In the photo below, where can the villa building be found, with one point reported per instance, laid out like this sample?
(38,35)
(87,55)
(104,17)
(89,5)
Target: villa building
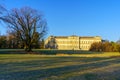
(71,42)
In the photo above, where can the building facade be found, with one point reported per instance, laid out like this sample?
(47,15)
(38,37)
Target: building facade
(71,42)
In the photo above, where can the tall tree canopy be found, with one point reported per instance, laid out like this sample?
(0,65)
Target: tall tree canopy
(26,23)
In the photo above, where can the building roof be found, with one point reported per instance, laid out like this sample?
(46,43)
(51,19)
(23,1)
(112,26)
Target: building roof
(84,37)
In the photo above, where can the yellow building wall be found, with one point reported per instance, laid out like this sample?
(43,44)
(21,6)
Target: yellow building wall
(74,42)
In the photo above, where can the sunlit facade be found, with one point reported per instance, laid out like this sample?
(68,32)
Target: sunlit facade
(71,42)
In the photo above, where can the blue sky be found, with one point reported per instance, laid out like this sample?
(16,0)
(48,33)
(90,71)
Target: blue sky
(75,17)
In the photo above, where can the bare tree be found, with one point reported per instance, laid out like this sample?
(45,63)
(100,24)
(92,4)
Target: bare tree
(2,9)
(26,22)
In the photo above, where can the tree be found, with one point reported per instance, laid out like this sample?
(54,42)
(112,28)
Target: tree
(36,41)
(105,47)
(118,45)
(3,42)
(13,41)
(118,42)
(42,44)
(51,44)
(26,22)
(2,9)
(97,46)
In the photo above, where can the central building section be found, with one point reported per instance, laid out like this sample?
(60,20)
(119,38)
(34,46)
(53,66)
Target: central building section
(70,42)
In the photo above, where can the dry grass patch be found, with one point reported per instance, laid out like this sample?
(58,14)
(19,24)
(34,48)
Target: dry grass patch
(60,67)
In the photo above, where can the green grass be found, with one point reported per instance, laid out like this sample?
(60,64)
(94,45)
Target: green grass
(59,67)
(45,51)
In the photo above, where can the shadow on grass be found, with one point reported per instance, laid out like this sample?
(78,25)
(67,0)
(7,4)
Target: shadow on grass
(45,69)
(46,52)
(12,51)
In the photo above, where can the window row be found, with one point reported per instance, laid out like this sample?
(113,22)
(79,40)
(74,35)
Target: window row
(62,46)
(75,42)
(85,47)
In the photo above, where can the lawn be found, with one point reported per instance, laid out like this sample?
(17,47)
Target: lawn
(60,67)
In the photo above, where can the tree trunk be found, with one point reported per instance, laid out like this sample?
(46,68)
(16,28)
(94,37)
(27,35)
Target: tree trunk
(28,48)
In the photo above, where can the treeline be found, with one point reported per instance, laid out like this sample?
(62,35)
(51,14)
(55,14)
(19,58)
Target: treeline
(12,42)
(106,46)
